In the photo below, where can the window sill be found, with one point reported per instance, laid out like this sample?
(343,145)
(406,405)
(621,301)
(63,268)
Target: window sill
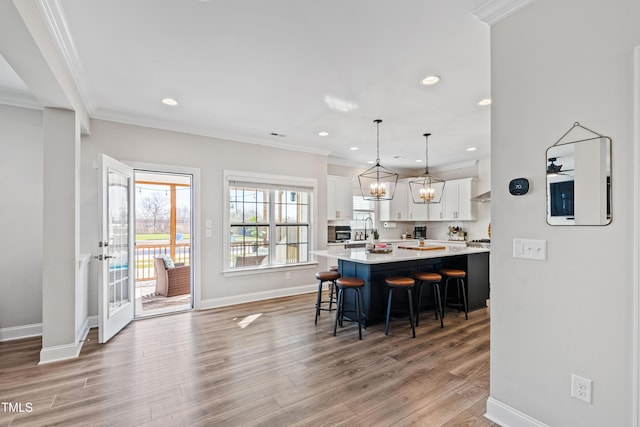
(268,269)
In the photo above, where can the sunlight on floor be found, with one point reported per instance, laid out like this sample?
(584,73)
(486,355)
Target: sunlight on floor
(247,320)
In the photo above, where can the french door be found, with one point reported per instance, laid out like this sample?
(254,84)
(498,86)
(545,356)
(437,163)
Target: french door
(117,269)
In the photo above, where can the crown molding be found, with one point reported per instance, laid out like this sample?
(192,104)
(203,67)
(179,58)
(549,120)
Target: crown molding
(494,11)
(54,18)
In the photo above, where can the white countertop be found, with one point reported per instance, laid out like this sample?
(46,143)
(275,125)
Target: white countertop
(404,241)
(362,256)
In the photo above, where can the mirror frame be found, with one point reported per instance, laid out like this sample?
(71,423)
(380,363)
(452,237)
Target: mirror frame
(550,157)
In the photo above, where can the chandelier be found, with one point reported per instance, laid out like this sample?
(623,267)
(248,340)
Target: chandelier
(378,183)
(423,188)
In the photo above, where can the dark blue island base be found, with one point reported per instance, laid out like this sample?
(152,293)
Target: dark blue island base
(375,292)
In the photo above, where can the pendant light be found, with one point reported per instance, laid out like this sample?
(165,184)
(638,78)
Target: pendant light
(378,183)
(426,188)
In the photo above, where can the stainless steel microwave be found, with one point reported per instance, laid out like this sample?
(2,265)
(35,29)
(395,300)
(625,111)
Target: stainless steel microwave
(338,233)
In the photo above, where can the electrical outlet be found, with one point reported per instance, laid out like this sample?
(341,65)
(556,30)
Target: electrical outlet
(581,388)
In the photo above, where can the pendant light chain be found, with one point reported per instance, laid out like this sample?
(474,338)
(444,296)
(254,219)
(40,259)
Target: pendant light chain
(426,153)
(378,121)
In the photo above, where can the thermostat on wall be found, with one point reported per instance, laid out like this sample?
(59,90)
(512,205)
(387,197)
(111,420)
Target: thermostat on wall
(519,186)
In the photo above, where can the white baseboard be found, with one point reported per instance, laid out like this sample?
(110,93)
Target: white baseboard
(68,351)
(92,322)
(256,296)
(506,416)
(19,332)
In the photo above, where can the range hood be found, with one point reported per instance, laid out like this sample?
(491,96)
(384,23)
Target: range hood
(482,198)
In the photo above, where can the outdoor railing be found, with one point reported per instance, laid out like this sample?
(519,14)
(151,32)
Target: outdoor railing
(145,253)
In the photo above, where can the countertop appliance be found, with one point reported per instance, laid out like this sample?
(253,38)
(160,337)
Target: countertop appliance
(480,243)
(420,232)
(338,233)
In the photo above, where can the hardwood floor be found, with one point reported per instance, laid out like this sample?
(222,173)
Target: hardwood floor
(204,369)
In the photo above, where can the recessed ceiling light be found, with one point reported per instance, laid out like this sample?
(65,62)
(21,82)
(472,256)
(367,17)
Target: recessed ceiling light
(484,102)
(371,162)
(430,80)
(471,149)
(169,101)
(323,133)
(419,161)
(354,148)
(398,157)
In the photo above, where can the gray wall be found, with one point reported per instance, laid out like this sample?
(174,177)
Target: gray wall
(555,63)
(21,190)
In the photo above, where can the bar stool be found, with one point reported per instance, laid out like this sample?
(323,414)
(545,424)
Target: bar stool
(459,276)
(343,284)
(325,276)
(425,278)
(399,282)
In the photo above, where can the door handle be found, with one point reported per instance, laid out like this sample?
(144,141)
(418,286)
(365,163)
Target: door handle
(102,258)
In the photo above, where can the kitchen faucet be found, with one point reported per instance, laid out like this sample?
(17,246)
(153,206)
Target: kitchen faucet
(365,226)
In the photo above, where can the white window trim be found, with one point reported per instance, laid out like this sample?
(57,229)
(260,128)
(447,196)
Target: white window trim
(231,176)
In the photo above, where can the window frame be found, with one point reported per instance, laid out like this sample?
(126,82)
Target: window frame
(272,183)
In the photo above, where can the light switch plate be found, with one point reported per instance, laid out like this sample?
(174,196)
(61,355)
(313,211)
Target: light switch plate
(530,249)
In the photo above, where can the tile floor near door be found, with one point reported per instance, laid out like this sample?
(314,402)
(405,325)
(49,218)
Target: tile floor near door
(263,363)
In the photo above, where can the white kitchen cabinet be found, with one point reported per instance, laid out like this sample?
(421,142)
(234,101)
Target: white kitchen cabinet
(466,208)
(455,204)
(457,200)
(416,211)
(395,209)
(401,207)
(436,210)
(339,197)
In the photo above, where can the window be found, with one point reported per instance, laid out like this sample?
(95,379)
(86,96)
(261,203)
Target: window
(269,223)
(363,209)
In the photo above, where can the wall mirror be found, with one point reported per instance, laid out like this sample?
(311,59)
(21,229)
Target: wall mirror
(579,181)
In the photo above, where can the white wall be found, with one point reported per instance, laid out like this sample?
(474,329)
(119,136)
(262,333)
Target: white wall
(211,156)
(555,63)
(21,192)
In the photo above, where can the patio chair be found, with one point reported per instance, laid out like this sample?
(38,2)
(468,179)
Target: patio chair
(172,281)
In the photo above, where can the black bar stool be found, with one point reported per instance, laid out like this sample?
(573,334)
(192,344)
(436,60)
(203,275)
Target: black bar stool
(459,276)
(425,278)
(343,284)
(399,282)
(325,276)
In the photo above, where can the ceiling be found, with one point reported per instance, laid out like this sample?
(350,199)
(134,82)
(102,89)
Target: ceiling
(246,70)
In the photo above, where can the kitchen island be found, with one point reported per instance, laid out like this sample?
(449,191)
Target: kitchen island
(373,268)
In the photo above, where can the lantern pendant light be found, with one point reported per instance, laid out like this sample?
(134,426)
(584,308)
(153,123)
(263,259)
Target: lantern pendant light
(426,188)
(378,183)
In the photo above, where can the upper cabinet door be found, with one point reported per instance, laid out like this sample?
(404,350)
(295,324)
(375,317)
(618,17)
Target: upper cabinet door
(466,208)
(436,210)
(339,198)
(457,200)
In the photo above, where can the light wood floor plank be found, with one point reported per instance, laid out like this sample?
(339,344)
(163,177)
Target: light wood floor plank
(204,369)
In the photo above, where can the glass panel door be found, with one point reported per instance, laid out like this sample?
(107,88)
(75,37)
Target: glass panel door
(116,243)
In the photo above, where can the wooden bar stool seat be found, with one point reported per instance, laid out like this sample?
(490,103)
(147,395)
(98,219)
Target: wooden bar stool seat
(325,276)
(400,282)
(343,284)
(422,278)
(459,276)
